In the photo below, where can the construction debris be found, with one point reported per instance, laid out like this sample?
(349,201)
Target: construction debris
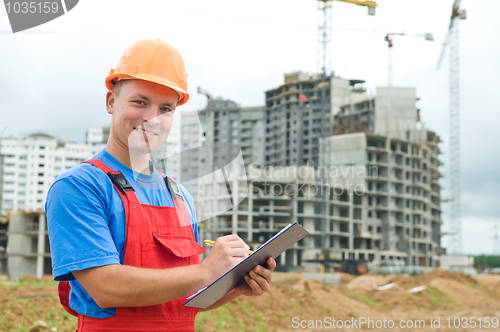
(393,284)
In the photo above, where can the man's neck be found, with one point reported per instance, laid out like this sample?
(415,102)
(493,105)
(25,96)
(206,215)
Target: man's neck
(135,161)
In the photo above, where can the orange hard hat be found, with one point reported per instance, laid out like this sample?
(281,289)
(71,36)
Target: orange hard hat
(152,60)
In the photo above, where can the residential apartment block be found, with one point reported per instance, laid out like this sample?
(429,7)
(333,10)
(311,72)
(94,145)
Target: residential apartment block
(300,111)
(215,137)
(226,121)
(167,157)
(397,216)
(30,166)
(374,192)
(192,152)
(3,245)
(29,251)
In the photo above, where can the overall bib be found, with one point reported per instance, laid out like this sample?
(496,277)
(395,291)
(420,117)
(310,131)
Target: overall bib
(155,237)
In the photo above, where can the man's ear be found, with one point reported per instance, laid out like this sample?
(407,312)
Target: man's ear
(110,101)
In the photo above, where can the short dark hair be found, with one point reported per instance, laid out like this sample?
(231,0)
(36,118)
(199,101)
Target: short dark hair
(117,87)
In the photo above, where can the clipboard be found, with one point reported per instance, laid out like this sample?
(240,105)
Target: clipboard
(280,242)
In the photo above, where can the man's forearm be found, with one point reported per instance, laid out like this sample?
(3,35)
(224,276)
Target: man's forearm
(128,286)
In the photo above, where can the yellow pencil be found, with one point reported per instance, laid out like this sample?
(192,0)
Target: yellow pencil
(211,243)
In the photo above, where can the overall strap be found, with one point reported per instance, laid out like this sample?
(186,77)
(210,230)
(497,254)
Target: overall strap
(127,195)
(122,186)
(178,200)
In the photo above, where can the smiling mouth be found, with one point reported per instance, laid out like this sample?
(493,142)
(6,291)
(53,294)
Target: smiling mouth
(145,132)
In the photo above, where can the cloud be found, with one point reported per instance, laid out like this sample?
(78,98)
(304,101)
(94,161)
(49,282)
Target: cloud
(53,82)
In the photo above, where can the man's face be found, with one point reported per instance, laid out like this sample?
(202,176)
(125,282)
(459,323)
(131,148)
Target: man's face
(143,113)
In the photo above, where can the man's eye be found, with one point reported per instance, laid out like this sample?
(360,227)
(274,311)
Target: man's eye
(165,109)
(139,102)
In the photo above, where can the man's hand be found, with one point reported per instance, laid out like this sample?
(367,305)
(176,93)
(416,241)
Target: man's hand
(225,254)
(258,281)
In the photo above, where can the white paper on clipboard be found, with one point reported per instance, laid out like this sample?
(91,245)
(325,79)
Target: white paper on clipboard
(280,242)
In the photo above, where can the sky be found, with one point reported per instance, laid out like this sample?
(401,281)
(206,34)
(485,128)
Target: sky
(52,76)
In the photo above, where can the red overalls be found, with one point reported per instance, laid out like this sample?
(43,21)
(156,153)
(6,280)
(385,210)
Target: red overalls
(154,238)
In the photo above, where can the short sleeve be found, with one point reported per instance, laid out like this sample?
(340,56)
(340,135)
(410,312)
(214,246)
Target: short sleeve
(78,228)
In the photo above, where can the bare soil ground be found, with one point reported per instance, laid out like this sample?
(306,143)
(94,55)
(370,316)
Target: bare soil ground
(296,304)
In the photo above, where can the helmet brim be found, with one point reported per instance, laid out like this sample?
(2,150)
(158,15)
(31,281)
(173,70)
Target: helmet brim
(182,93)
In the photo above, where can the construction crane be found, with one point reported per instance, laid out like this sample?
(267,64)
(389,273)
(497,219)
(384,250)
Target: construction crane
(452,39)
(389,39)
(323,67)
(206,93)
(325,30)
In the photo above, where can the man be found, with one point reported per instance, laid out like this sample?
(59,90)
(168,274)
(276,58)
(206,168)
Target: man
(123,235)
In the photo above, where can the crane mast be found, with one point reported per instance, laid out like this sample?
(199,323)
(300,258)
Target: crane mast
(389,39)
(325,31)
(456,209)
(452,40)
(323,67)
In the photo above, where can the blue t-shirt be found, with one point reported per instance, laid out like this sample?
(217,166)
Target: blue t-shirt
(86,222)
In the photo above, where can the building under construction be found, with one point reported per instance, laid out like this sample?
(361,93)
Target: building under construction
(374,193)
(301,111)
(297,114)
(213,138)
(28,250)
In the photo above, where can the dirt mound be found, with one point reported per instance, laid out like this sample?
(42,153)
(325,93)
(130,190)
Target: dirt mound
(396,300)
(487,280)
(447,295)
(490,284)
(366,282)
(286,278)
(25,312)
(465,294)
(275,309)
(438,273)
(346,278)
(343,306)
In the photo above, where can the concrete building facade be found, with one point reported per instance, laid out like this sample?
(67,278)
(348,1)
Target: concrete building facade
(400,207)
(3,245)
(225,121)
(167,157)
(28,251)
(379,202)
(216,136)
(399,200)
(97,138)
(192,139)
(375,192)
(300,111)
(297,114)
(30,165)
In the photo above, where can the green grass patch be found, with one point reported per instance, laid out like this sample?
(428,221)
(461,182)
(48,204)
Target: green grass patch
(224,319)
(21,314)
(440,298)
(21,283)
(360,298)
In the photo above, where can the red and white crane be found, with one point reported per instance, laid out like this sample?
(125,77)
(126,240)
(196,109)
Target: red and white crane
(389,39)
